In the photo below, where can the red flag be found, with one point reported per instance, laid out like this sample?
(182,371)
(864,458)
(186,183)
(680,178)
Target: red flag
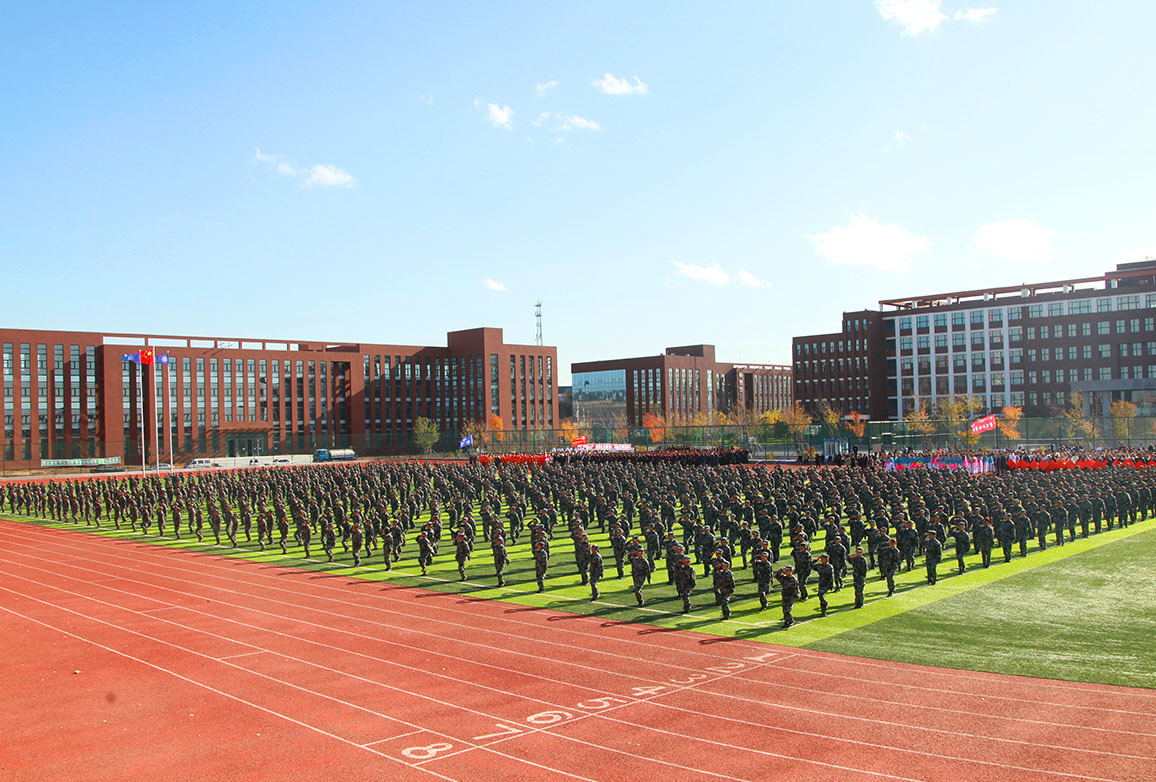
(579,440)
(146,356)
(985,424)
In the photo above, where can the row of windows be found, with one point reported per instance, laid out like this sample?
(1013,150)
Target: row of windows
(995,315)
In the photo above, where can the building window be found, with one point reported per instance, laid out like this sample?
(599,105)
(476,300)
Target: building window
(1081,307)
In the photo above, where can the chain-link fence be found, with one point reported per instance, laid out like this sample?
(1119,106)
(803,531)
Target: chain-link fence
(765,441)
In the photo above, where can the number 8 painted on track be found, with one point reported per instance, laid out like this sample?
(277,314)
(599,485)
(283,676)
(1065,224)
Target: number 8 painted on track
(426,752)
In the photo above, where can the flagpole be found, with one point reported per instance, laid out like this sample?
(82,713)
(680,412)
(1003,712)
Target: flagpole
(156,424)
(140,411)
(167,420)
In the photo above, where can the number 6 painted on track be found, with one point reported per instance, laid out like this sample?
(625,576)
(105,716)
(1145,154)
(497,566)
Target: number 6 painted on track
(548,717)
(426,752)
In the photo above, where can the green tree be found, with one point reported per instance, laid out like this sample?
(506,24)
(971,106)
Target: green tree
(425,434)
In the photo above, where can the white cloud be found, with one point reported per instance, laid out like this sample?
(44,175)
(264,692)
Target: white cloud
(545,115)
(974,15)
(559,140)
(611,85)
(427,100)
(1015,240)
(493,285)
(542,89)
(901,139)
(500,116)
(914,16)
(322,175)
(712,274)
(276,162)
(574,122)
(751,281)
(865,242)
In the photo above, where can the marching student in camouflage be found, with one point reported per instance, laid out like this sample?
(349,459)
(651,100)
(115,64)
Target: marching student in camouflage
(461,552)
(684,581)
(826,573)
(984,540)
(724,586)
(789,587)
(962,545)
(541,563)
(762,571)
(859,571)
(501,558)
(595,570)
(639,573)
(932,556)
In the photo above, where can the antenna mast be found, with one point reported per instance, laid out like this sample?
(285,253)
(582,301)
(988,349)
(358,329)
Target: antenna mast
(538,320)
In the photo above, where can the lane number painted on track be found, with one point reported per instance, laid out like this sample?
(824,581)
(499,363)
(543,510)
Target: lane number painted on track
(556,716)
(428,751)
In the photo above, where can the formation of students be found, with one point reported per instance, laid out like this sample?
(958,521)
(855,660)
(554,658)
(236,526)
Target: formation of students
(768,521)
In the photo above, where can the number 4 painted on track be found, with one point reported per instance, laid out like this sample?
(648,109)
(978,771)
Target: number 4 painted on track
(762,658)
(506,730)
(642,692)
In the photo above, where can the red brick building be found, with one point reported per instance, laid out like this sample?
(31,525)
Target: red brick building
(68,394)
(1032,345)
(677,385)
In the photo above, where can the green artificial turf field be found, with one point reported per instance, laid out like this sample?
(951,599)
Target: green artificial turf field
(1089,618)
(1085,611)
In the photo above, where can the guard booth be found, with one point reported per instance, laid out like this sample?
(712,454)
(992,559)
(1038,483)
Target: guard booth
(833,447)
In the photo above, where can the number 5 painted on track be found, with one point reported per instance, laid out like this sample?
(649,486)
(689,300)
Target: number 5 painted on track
(426,752)
(599,703)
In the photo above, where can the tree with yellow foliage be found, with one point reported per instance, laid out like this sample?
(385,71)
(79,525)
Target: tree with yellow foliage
(920,423)
(798,420)
(855,424)
(1009,425)
(497,427)
(1122,412)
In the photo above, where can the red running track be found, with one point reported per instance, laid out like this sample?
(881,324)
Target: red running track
(126,659)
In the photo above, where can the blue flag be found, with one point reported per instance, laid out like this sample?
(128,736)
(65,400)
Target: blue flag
(467,441)
(163,359)
(133,357)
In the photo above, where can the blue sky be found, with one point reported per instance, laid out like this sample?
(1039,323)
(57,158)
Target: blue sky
(656,173)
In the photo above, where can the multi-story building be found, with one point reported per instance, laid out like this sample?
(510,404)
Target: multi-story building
(69,394)
(677,386)
(1030,345)
(846,369)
